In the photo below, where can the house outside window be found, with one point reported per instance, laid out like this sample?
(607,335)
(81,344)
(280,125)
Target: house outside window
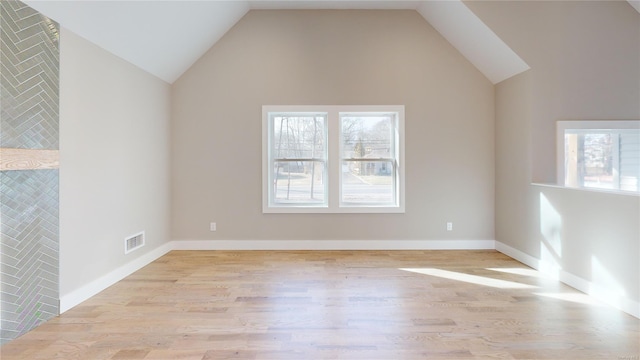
(599,155)
(333,159)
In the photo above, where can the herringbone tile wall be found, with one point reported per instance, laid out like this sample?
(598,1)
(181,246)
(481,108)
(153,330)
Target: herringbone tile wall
(29,58)
(29,250)
(30,70)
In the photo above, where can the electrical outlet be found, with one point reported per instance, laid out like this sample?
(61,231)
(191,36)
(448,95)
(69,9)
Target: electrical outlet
(212,226)
(449,226)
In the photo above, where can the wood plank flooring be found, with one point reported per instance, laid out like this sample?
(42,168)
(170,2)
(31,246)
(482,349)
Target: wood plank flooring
(334,305)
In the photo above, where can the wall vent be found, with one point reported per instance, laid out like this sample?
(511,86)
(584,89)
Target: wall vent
(133,242)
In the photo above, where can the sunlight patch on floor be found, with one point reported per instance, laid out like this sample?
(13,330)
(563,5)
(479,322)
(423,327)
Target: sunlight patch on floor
(519,271)
(473,279)
(572,297)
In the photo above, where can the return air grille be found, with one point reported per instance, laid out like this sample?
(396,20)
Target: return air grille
(133,242)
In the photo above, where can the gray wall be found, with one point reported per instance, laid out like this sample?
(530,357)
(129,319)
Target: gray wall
(584,59)
(114,162)
(332,58)
(28,198)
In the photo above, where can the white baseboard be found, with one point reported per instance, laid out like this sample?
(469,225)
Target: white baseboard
(76,297)
(333,244)
(518,255)
(594,290)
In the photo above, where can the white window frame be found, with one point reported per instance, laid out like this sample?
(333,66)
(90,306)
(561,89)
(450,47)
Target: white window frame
(334,161)
(587,126)
(323,158)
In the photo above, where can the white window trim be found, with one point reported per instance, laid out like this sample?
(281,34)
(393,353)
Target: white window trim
(603,125)
(267,188)
(334,160)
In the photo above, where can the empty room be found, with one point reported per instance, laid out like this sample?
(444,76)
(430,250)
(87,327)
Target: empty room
(320,179)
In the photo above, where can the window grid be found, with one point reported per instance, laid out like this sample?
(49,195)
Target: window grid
(388,167)
(366,158)
(601,155)
(290,159)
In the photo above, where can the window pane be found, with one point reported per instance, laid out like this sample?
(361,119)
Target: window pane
(589,160)
(367,136)
(298,136)
(368,182)
(598,171)
(630,160)
(299,182)
(303,146)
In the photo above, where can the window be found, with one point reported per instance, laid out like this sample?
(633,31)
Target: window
(599,154)
(333,159)
(368,159)
(298,161)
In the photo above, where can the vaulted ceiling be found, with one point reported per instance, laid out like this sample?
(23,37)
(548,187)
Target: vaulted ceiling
(165,37)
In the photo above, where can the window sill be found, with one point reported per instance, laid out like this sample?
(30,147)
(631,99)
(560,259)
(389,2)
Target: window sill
(328,210)
(596,190)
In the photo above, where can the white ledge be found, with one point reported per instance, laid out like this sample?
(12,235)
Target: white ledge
(585,189)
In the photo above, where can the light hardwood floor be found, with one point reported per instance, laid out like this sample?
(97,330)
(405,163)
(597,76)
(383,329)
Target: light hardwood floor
(334,305)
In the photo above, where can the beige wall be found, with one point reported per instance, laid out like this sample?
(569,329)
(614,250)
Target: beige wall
(115,131)
(332,58)
(585,57)
(513,161)
(114,161)
(585,64)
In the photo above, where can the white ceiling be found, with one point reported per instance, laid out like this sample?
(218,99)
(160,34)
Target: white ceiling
(162,37)
(467,33)
(165,37)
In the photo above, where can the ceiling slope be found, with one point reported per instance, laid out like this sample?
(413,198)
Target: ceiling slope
(165,37)
(467,33)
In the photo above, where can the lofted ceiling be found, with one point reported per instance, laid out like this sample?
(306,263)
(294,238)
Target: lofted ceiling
(165,37)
